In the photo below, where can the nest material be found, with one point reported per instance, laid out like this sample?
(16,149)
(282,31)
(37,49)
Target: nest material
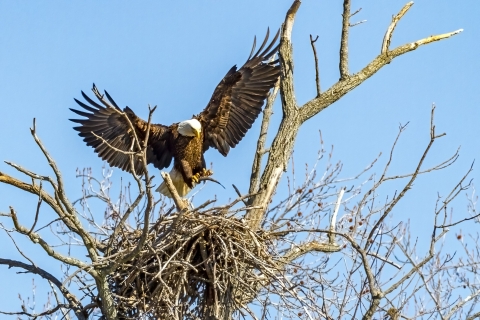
(193,266)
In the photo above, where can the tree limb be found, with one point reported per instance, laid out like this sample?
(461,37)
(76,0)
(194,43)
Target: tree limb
(36,190)
(343,65)
(293,117)
(312,246)
(388,34)
(260,151)
(342,87)
(63,200)
(35,238)
(74,303)
(176,198)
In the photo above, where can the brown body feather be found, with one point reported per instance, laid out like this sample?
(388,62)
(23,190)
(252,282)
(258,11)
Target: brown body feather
(235,104)
(188,156)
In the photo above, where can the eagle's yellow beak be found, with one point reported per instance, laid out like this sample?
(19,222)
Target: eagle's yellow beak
(197,133)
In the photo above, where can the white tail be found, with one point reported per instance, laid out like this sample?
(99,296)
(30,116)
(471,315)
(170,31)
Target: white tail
(182,188)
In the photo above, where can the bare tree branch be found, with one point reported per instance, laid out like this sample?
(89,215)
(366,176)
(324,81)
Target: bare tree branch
(60,194)
(260,151)
(388,34)
(293,117)
(35,238)
(317,77)
(176,198)
(333,222)
(344,73)
(342,87)
(302,249)
(74,303)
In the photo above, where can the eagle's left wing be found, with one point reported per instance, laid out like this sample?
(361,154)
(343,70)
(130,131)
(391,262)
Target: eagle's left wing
(238,99)
(106,129)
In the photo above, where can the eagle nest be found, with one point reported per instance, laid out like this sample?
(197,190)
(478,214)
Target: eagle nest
(193,266)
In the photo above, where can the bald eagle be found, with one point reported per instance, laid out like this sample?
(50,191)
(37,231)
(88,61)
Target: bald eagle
(235,104)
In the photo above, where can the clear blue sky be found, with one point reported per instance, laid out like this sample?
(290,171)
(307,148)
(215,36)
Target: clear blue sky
(173,54)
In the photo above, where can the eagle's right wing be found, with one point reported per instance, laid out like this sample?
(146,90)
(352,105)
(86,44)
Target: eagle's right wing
(109,122)
(238,98)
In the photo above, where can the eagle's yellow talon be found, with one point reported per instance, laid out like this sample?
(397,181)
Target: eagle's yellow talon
(196,177)
(207,172)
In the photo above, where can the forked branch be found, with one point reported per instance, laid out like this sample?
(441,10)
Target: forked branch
(388,35)
(339,89)
(74,303)
(293,116)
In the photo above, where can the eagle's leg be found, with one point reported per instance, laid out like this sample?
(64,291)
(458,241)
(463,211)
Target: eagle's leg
(189,178)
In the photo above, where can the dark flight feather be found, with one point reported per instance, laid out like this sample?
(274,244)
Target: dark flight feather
(111,124)
(238,99)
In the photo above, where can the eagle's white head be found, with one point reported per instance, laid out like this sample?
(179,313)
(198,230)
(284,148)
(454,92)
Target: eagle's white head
(190,128)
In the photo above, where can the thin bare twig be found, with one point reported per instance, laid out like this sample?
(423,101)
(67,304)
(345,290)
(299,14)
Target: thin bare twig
(317,77)
(333,221)
(37,211)
(388,34)
(245,202)
(74,303)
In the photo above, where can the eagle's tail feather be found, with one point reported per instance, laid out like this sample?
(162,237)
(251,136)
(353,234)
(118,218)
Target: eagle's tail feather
(182,188)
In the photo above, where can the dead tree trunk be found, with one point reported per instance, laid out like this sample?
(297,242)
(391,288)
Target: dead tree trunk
(294,116)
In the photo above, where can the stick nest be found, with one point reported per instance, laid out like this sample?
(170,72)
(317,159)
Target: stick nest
(193,266)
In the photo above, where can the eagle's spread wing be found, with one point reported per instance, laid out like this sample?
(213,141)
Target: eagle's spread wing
(237,100)
(109,122)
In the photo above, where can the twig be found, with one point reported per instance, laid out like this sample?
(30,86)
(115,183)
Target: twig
(149,124)
(373,254)
(388,34)
(70,213)
(131,153)
(64,312)
(39,203)
(35,238)
(317,77)
(36,315)
(210,179)
(331,235)
(20,251)
(357,11)
(439,166)
(74,303)
(407,187)
(357,23)
(239,194)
